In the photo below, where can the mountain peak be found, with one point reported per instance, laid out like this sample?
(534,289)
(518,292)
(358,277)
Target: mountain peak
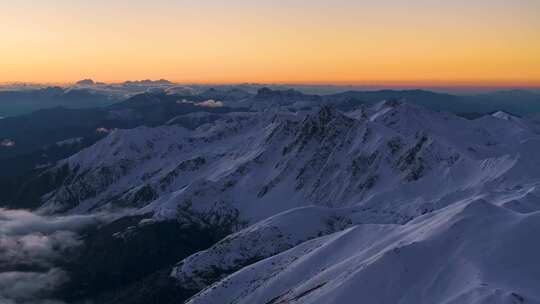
(327,113)
(85,82)
(503,115)
(325,119)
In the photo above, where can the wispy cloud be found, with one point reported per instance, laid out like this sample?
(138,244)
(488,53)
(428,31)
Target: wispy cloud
(210,104)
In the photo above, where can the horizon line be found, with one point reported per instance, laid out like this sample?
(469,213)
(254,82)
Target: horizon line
(488,84)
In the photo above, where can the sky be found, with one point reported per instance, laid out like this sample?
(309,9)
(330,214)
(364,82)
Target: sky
(399,42)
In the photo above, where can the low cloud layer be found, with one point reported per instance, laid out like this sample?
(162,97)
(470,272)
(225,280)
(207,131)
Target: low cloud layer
(22,222)
(35,249)
(30,244)
(210,104)
(29,287)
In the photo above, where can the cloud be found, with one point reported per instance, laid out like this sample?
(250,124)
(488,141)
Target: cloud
(210,104)
(7,143)
(35,249)
(31,246)
(104,130)
(22,222)
(30,287)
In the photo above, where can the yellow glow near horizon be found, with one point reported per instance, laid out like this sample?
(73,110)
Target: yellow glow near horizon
(417,42)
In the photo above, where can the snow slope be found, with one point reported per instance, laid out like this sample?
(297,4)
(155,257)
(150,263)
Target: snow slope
(261,240)
(469,252)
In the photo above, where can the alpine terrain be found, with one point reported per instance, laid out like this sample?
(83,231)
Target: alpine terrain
(291,198)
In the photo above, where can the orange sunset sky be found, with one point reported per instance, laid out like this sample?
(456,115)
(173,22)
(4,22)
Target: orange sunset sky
(417,42)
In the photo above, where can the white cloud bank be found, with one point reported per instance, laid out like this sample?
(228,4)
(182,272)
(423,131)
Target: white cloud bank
(210,104)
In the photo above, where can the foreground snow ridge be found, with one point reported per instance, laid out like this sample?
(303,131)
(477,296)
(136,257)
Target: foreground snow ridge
(469,252)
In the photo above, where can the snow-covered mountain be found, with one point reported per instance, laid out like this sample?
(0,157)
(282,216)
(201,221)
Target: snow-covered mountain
(394,157)
(468,252)
(388,203)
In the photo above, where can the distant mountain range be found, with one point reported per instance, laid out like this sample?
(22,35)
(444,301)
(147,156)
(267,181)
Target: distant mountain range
(516,101)
(78,116)
(88,93)
(32,136)
(19,102)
